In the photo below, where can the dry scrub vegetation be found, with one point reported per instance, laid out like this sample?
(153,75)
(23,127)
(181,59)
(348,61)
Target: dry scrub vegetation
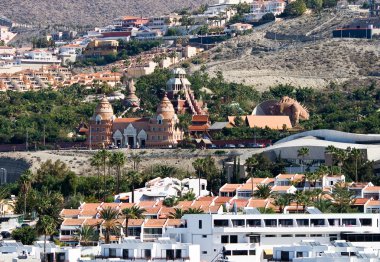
(85,12)
(262,62)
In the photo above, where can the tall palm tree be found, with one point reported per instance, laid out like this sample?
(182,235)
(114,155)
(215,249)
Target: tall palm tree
(263,191)
(136,159)
(46,226)
(96,161)
(110,224)
(134,178)
(87,234)
(134,212)
(343,198)
(331,150)
(302,153)
(325,206)
(177,214)
(357,155)
(25,183)
(341,156)
(104,156)
(298,198)
(251,164)
(118,159)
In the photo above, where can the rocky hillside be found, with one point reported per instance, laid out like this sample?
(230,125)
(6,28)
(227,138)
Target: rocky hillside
(86,12)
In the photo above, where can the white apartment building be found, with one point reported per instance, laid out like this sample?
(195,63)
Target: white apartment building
(161,250)
(251,237)
(5,34)
(160,188)
(312,251)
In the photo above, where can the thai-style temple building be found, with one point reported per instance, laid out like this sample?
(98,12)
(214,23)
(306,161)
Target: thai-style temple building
(159,131)
(179,92)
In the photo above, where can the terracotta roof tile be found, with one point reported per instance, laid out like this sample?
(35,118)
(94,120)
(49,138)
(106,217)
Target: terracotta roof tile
(183,204)
(280,188)
(247,187)
(360,201)
(174,222)
(201,204)
(206,198)
(90,206)
(214,209)
(93,221)
(374,203)
(372,189)
(155,223)
(88,213)
(135,222)
(240,203)
(69,212)
(72,222)
(222,200)
(145,204)
(256,180)
(125,205)
(273,122)
(229,187)
(200,118)
(257,203)
(151,210)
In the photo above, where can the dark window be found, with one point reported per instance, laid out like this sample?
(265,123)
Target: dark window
(224,240)
(239,252)
(147,253)
(253,222)
(366,221)
(204,252)
(286,236)
(238,222)
(125,253)
(299,254)
(233,239)
(300,235)
(221,223)
(303,222)
(252,252)
(254,239)
(170,254)
(204,236)
(200,224)
(112,252)
(178,253)
(270,222)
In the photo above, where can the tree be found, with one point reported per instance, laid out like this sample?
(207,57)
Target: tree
(27,235)
(87,234)
(136,159)
(264,210)
(118,160)
(315,5)
(25,183)
(173,55)
(197,210)
(46,226)
(357,155)
(110,224)
(134,212)
(295,8)
(325,206)
(343,198)
(170,201)
(282,200)
(134,178)
(96,161)
(302,153)
(177,214)
(262,191)
(104,155)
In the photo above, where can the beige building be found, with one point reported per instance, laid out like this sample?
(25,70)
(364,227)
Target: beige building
(159,131)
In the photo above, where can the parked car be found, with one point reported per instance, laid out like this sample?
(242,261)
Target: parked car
(240,145)
(255,145)
(229,146)
(5,234)
(212,146)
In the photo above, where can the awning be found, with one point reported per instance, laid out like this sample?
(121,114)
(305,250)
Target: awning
(268,252)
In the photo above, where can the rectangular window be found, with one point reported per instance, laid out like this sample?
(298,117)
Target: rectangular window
(178,253)
(204,236)
(200,224)
(224,240)
(204,252)
(233,239)
(147,253)
(239,252)
(112,252)
(252,252)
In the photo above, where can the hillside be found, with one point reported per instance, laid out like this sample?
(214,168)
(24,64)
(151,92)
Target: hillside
(86,12)
(299,52)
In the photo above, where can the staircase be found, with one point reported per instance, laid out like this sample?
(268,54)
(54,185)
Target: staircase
(192,102)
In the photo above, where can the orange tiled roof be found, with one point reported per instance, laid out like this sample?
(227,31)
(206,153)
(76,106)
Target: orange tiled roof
(72,222)
(256,180)
(151,210)
(125,205)
(206,198)
(135,222)
(372,189)
(257,202)
(145,204)
(280,188)
(93,221)
(247,187)
(214,209)
(174,222)
(69,212)
(155,223)
(229,187)
(222,200)
(285,176)
(127,120)
(90,206)
(201,204)
(111,205)
(183,204)
(374,203)
(198,127)
(200,118)
(360,201)
(273,122)
(240,203)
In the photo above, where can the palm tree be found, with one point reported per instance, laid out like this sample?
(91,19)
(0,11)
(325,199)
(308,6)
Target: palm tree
(331,150)
(136,159)
(110,224)
(251,164)
(298,198)
(104,156)
(325,206)
(177,214)
(96,161)
(173,55)
(170,201)
(25,183)
(134,178)
(282,200)
(197,210)
(114,70)
(341,156)
(264,210)
(343,198)
(263,191)
(302,153)
(118,159)
(357,155)
(87,234)
(134,212)
(46,226)
(4,193)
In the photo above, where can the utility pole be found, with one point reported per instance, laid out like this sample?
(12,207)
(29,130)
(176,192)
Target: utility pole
(90,137)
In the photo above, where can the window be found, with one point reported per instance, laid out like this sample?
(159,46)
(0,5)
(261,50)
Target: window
(286,235)
(178,253)
(170,254)
(204,252)
(299,254)
(125,253)
(221,223)
(225,240)
(65,232)
(252,252)
(200,224)
(233,239)
(239,252)
(300,235)
(254,239)
(204,236)
(147,253)
(112,252)
(238,222)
